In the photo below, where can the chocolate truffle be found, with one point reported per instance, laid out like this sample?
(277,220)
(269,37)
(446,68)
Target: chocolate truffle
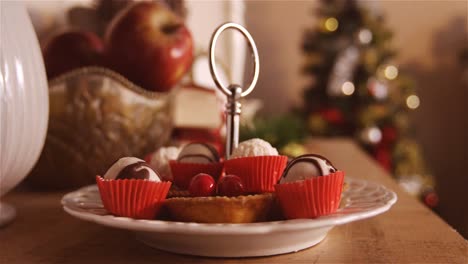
(131,168)
(201,153)
(254,147)
(306,167)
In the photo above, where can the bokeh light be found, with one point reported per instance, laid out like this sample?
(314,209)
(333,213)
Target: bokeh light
(365,36)
(331,24)
(375,135)
(348,88)
(412,101)
(391,72)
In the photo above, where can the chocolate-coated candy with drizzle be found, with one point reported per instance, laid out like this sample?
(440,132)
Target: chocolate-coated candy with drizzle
(131,168)
(198,153)
(306,167)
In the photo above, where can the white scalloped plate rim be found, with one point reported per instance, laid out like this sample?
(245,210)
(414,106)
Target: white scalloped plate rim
(70,203)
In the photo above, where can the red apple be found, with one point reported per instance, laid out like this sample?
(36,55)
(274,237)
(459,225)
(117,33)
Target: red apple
(202,184)
(150,45)
(231,185)
(71,50)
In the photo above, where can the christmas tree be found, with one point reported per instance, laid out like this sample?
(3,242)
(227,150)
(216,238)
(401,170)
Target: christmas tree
(356,90)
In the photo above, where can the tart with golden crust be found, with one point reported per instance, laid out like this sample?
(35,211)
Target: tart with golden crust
(221,209)
(176,192)
(242,197)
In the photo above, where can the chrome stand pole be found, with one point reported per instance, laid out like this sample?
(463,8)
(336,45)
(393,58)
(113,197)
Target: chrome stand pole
(233,92)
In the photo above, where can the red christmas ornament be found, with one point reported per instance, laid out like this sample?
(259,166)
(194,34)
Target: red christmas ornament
(431,199)
(383,156)
(332,115)
(389,134)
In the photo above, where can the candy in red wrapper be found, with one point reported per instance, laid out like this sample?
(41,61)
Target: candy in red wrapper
(312,197)
(135,198)
(259,173)
(184,172)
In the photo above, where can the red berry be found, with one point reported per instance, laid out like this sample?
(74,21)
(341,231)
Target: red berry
(230,185)
(202,184)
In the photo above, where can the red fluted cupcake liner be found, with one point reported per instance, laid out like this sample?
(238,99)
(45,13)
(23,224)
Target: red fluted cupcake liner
(259,174)
(311,198)
(133,198)
(184,172)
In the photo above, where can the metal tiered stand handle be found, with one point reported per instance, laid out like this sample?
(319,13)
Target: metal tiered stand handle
(233,92)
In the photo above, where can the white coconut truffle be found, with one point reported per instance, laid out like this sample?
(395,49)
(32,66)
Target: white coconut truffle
(131,168)
(254,147)
(159,161)
(306,167)
(201,153)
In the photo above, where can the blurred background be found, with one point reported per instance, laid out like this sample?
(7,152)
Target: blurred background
(430,40)
(391,75)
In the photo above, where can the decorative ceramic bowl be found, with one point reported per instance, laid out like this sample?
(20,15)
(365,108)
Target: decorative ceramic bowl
(24,103)
(96,117)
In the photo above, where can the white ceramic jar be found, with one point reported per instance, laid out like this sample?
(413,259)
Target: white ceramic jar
(24,102)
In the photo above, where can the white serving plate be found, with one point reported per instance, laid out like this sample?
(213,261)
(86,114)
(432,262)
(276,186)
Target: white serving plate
(362,199)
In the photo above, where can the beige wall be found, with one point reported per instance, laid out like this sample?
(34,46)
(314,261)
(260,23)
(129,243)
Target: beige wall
(428,35)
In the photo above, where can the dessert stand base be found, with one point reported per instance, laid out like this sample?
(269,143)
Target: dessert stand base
(361,199)
(239,245)
(7,214)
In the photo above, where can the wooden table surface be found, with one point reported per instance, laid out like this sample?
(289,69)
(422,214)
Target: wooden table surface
(408,233)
